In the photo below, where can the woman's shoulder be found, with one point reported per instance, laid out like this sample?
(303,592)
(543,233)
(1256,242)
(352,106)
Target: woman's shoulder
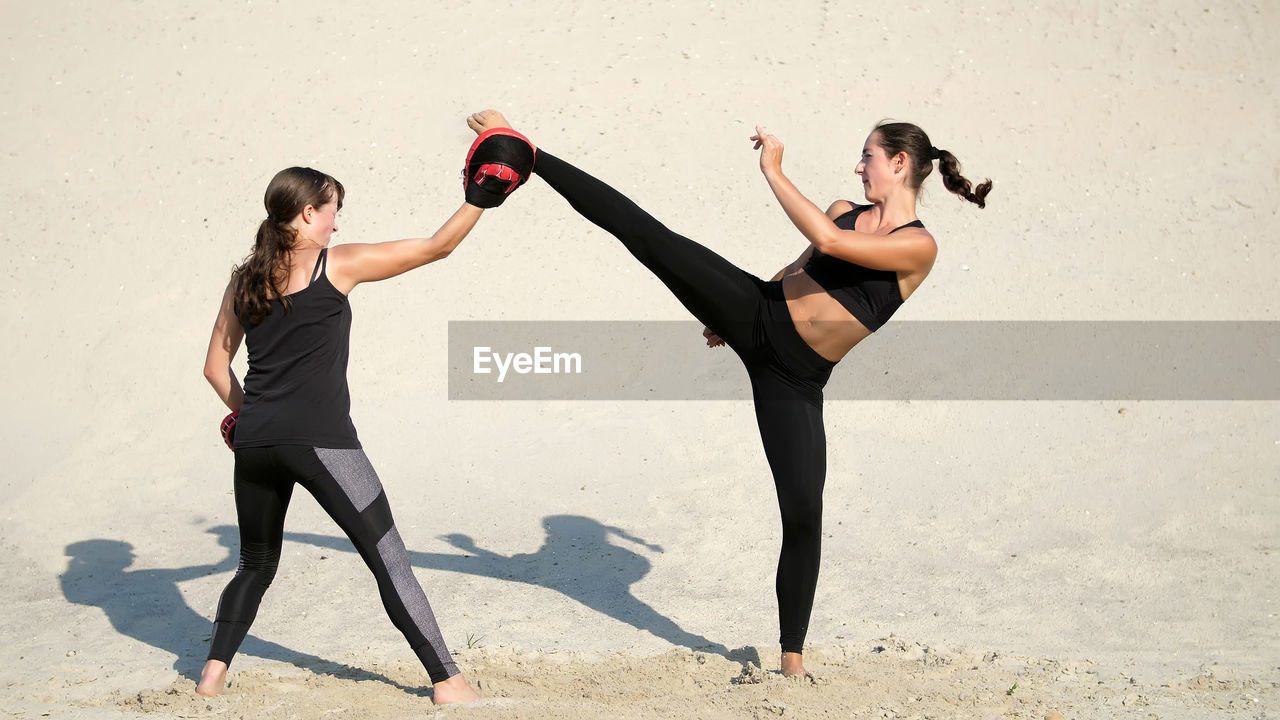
(840,207)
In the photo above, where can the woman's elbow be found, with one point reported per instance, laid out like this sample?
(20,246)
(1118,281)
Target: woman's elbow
(433,251)
(213,372)
(823,242)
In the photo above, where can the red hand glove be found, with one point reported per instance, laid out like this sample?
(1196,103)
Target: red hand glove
(229,429)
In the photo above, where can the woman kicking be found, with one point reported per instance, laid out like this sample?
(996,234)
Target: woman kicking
(860,264)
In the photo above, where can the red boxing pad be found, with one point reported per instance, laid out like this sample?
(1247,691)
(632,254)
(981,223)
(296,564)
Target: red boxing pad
(499,161)
(228,429)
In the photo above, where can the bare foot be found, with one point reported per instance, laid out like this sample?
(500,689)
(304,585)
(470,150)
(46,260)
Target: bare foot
(486,120)
(793,664)
(455,689)
(212,679)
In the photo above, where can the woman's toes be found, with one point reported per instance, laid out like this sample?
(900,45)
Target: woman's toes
(487,120)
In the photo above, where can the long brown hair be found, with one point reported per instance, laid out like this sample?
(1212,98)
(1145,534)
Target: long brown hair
(896,137)
(264,274)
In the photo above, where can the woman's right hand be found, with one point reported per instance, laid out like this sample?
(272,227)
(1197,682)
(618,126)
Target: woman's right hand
(713,340)
(770,148)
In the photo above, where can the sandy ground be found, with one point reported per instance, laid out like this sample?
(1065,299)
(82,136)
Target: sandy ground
(1109,558)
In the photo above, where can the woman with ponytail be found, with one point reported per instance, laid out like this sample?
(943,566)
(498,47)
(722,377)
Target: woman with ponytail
(858,265)
(291,421)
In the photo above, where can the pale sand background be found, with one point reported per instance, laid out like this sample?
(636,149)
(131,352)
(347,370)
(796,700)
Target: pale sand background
(1112,565)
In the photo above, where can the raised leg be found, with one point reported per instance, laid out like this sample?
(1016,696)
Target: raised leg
(718,293)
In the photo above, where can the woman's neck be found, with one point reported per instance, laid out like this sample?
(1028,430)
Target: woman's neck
(896,211)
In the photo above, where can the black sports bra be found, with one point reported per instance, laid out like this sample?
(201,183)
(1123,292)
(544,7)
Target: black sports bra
(871,296)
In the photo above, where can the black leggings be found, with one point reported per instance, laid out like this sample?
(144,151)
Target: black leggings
(787,376)
(346,486)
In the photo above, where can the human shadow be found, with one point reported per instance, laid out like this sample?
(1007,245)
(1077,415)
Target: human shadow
(577,560)
(147,606)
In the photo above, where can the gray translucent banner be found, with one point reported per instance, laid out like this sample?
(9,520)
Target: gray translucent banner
(1032,360)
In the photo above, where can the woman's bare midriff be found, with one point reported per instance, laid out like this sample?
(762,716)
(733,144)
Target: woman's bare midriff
(822,322)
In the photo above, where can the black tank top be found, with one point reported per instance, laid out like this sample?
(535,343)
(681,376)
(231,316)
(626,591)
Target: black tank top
(871,296)
(295,392)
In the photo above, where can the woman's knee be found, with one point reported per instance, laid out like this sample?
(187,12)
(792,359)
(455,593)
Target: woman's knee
(801,516)
(262,562)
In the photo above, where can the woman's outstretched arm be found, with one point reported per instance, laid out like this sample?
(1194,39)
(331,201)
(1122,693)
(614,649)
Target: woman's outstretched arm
(356,263)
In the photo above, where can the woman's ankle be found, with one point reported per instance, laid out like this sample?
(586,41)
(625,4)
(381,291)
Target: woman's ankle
(793,664)
(213,678)
(454,690)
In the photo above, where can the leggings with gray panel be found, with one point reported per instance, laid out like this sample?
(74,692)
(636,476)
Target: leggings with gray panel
(346,486)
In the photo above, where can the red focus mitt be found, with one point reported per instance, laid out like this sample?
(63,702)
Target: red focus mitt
(228,429)
(500,160)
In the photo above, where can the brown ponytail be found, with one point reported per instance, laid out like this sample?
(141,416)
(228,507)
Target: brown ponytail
(949,166)
(265,273)
(899,137)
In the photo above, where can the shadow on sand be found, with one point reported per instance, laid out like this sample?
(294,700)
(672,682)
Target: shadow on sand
(577,560)
(147,606)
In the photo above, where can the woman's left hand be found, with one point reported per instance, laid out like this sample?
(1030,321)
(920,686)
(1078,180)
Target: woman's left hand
(713,340)
(770,148)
